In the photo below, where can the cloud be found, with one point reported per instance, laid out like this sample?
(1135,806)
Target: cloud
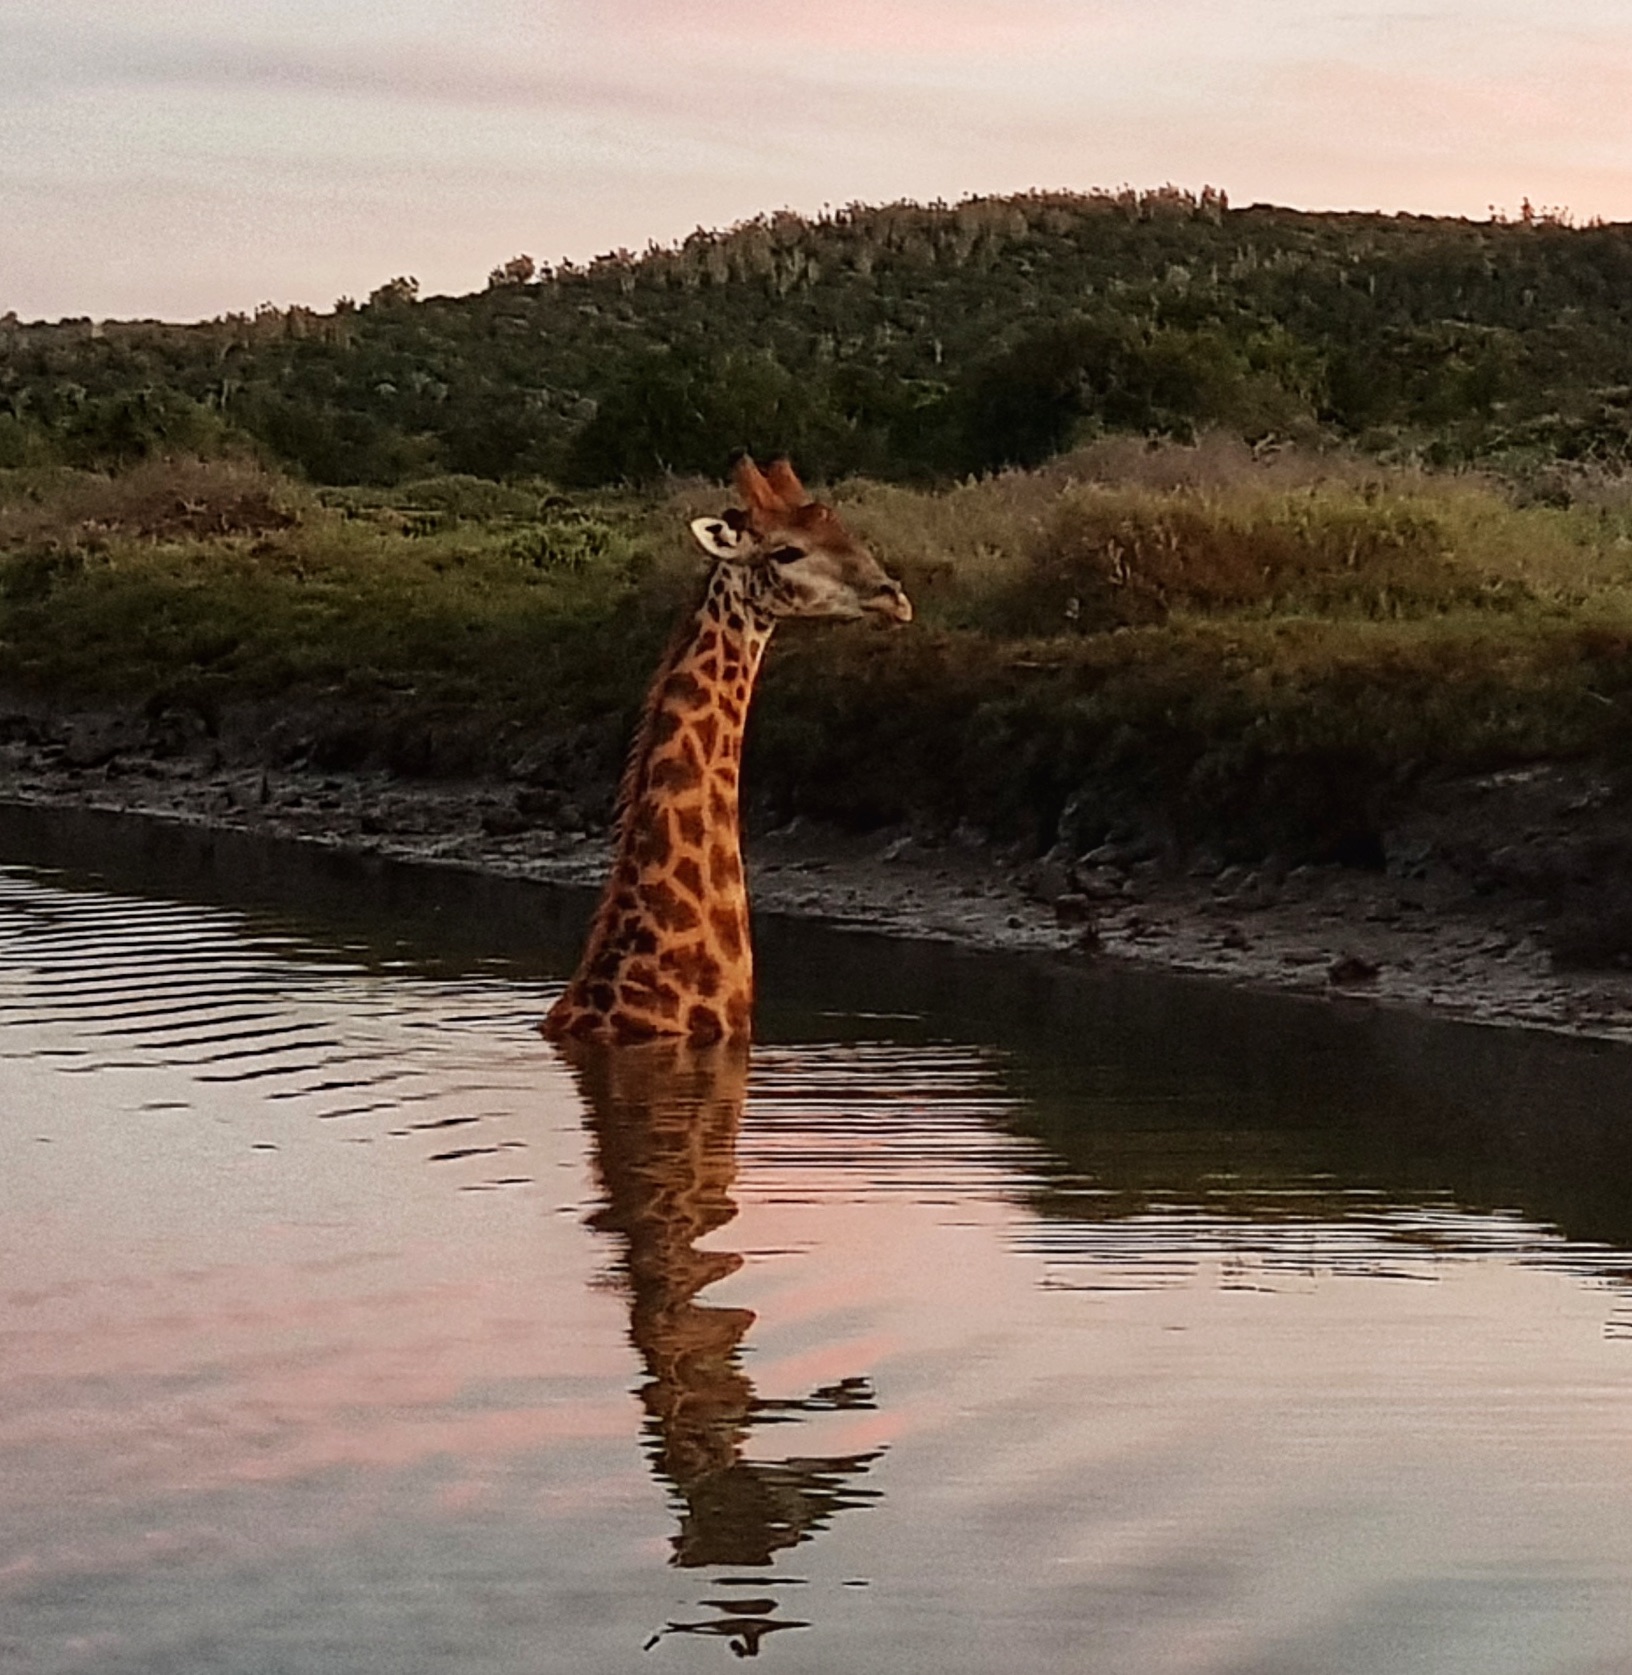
(412,71)
(1563,107)
(917,29)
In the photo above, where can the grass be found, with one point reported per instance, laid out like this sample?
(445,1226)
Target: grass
(235,581)
(1254,653)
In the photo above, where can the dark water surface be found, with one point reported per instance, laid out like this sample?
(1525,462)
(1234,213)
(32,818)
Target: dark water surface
(997,1315)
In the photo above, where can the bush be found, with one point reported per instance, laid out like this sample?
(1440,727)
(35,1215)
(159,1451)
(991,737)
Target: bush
(24,444)
(1262,652)
(116,431)
(162,500)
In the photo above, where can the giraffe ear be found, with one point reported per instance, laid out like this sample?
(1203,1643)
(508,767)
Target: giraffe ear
(718,539)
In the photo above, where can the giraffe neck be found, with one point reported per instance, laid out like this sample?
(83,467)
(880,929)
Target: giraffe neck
(668,952)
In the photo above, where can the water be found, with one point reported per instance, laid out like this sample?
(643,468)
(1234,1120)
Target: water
(995,1315)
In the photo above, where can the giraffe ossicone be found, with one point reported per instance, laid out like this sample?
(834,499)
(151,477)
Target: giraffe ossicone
(668,952)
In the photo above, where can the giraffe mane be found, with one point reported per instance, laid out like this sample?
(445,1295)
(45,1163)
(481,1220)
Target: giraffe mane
(630,782)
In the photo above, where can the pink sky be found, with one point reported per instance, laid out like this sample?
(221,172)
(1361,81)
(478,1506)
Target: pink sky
(183,161)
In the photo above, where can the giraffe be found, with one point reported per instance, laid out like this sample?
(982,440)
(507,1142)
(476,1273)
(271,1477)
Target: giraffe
(668,951)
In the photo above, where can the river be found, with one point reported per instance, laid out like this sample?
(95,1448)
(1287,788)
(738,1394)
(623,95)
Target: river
(994,1314)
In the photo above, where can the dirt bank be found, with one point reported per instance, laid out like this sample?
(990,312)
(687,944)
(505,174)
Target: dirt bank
(1502,899)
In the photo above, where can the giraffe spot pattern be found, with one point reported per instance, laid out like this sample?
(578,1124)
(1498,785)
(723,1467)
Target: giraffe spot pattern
(727,923)
(667,910)
(703,1025)
(689,876)
(654,997)
(695,968)
(684,689)
(675,773)
(724,869)
(693,829)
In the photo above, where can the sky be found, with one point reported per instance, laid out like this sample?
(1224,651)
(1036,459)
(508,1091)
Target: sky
(184,158)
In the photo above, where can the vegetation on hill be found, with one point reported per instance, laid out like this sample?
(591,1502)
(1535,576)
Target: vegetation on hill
(906,342)
(1226,525)
(1257,653)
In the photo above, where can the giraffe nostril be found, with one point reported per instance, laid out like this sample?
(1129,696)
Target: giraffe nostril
(892,601)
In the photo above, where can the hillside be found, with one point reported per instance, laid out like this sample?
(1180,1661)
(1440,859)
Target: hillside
(906,342)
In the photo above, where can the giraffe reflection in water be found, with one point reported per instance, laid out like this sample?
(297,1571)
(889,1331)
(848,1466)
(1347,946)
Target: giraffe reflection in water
(665,1117)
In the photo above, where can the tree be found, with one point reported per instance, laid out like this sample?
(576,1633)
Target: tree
(519,270)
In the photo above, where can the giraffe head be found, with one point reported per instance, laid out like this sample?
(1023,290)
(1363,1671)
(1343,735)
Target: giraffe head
(803,562)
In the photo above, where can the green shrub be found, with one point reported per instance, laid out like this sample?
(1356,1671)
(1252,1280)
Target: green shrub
(1262,651)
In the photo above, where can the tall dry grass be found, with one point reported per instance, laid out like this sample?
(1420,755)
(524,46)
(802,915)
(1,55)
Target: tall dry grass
(1124,534)
(1250,648)
(159,500)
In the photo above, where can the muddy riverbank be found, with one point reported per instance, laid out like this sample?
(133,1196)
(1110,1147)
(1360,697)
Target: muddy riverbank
(1502,899)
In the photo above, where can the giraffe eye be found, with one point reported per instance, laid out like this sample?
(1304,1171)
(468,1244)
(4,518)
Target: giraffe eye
(784,555)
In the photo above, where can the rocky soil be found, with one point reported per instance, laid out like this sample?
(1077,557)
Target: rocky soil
(1503,899)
